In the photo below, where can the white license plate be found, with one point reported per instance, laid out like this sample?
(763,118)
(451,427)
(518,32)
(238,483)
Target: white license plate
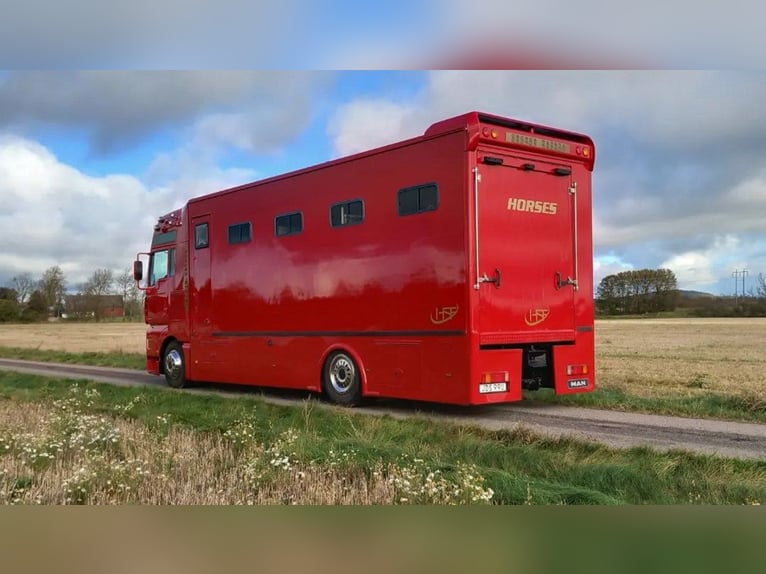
(493,387)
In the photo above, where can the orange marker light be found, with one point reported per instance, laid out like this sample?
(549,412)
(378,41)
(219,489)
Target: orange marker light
(586,151)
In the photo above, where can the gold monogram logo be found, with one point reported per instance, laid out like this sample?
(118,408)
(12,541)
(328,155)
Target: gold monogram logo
(443,314)
(536,316)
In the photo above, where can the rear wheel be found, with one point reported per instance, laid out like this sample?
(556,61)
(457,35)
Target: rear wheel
(341,379)
(174,365)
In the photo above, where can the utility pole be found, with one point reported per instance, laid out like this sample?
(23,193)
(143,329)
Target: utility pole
(736,274)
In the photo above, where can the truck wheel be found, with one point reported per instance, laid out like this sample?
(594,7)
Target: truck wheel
(174,365)
(341,379)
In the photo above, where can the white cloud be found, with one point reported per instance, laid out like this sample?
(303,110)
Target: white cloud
(249,110)
(704,268)
(608,265)
(54,214)
(364,124)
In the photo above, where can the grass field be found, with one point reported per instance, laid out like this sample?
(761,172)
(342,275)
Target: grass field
(650,359)
(101,444)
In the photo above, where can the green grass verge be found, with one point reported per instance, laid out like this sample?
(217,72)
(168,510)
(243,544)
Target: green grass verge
(113,359)
(519,466)
(730,407)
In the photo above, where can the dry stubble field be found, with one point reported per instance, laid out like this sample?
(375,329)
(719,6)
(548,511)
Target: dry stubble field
(682,357)
(76,337)
(645,357)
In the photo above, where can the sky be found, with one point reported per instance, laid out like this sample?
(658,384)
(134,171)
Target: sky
(97,138)
(90,159)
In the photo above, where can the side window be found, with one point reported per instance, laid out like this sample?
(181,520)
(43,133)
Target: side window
(161,265)
(201,240)
(346,213)
(418,199)
(239,233)
(288,224)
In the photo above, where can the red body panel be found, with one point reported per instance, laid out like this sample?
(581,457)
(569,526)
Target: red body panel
(398,293)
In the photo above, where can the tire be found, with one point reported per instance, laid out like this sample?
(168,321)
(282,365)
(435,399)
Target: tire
(341,379)
(174,365)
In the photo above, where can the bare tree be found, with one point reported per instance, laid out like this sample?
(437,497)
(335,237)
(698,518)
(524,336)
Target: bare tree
(52,287)
(760,285)
(24,285)
(96,288)
(131,295)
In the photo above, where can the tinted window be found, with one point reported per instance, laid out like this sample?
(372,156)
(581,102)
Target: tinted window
(418,199)
(239,233)
(346,213)
(200,236)
(288,224)
(167,237)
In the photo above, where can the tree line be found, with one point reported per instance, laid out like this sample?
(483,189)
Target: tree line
(30,299)
(637,292)
(653,290)
(751,304)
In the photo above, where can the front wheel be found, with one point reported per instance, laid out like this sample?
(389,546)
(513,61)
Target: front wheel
(174,365)
(341,379)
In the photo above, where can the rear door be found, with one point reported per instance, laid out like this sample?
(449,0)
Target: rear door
(526,249)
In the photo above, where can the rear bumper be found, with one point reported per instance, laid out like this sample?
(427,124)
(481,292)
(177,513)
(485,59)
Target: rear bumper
(570,370)
(583,353)
(490,370)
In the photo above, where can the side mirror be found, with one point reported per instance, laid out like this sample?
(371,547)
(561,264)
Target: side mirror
(138,270)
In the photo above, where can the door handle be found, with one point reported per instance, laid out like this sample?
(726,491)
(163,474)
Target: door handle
(494,279)
(564,282)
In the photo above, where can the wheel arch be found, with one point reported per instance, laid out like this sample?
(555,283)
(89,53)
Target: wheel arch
(354,355)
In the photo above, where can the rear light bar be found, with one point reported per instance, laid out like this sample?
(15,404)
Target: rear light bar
(495,377)
(577,370)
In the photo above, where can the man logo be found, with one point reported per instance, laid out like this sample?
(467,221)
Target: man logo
(536,316)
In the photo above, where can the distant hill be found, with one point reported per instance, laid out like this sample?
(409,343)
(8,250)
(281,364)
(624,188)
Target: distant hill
(688,294)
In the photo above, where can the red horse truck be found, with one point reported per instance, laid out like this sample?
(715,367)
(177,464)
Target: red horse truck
(453,267)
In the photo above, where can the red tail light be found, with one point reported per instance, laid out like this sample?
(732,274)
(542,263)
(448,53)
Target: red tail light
(577,370)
